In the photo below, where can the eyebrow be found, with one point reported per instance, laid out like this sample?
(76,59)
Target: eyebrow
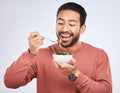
(71,20)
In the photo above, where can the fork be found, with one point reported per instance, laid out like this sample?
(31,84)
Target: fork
(50,40)
(47,38)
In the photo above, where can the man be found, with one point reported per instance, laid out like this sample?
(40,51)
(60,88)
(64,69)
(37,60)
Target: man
(87,72)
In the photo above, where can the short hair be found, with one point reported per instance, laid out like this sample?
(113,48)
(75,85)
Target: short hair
(75,7)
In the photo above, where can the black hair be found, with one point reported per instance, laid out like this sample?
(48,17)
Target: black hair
(75,7)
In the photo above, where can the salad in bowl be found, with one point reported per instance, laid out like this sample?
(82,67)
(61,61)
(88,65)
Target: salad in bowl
(63,57)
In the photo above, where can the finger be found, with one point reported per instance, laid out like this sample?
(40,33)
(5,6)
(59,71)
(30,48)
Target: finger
(72,62)
(33,34)
(38,37)
(37,43)
(58,64)
(35,40)
(65,66)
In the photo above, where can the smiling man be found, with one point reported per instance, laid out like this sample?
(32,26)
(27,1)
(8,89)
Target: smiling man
(68,27)
(88,71)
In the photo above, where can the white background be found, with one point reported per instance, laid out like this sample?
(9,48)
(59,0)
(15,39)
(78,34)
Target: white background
(20,17)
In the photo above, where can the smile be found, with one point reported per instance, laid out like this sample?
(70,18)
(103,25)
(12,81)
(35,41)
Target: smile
(65,36)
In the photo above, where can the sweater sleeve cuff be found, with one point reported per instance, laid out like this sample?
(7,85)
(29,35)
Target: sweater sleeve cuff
(27,55)
(82,80)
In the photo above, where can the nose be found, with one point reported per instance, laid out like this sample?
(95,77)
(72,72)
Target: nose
(65,28)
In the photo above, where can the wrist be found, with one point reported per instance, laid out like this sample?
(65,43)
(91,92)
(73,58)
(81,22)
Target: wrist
(77,73)
(33,53)
(73,77)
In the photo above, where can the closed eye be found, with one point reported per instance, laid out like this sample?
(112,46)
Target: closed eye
(60,23)
(72,24)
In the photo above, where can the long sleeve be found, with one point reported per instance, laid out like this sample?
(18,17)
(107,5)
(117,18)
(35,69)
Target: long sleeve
(102,82)
(20,72)
(93,63)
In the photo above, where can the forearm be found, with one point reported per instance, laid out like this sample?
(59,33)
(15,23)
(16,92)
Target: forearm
(87,85)
(16,74)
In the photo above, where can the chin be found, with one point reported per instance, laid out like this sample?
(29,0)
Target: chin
(66,45)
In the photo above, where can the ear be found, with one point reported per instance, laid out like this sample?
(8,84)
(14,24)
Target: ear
(82,29)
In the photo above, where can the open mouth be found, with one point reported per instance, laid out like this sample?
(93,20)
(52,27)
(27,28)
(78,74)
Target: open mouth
(65,36)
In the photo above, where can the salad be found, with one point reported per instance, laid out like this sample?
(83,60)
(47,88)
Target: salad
(63,53)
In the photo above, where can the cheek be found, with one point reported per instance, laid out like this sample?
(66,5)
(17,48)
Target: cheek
(76,30)
(58,29)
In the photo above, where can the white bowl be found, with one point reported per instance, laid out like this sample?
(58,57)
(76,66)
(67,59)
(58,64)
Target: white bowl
(62,58)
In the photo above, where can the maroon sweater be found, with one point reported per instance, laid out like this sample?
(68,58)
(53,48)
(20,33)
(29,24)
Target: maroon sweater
(93,64)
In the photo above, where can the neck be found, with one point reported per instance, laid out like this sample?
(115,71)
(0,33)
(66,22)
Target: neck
(72,48)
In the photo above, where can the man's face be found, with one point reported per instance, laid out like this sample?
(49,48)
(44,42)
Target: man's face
(68,27)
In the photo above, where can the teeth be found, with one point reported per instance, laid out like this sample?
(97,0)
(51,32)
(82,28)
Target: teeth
(65,35)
